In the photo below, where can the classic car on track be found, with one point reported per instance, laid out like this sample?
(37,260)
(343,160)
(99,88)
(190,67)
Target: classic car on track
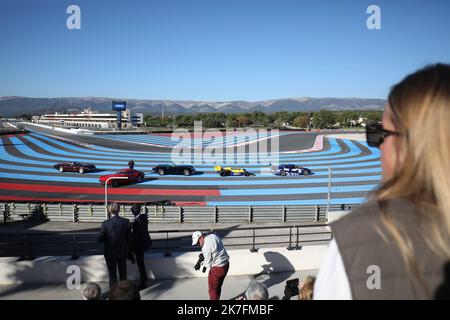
(163,169)
(74,167)
(289,169)
(131,175)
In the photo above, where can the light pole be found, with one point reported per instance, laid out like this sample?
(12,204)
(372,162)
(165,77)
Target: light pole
(106,192)
(329,191)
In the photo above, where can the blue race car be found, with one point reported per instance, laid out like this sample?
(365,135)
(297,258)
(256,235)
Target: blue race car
(290,169)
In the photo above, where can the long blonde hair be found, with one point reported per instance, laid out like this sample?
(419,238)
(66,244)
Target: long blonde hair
(420,106)
(306,292)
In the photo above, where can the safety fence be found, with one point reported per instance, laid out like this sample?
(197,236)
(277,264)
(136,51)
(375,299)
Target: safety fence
(66,212)
(28,245)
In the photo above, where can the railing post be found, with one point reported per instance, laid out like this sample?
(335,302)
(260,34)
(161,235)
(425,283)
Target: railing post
(5,213)
(253,249)
(23,245)
(167,253)
(44,209)
(74,208)
(317,214)
(250,218)
(216,214)
(28,256)
(74,247)
(180,214)
(40,209)
(290,239)
(297,246)
(283,219)
(13,213)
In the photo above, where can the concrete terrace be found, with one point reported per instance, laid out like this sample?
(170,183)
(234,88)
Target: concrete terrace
(171,278)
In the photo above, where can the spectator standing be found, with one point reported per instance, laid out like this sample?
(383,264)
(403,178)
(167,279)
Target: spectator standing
(141,241)
(131,164)
(216,258)
(115,233)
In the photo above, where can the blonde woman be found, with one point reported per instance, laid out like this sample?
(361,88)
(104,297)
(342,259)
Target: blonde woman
(397,244)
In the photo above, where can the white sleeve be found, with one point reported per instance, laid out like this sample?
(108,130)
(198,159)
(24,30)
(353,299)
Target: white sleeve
(332,282)
(207,251)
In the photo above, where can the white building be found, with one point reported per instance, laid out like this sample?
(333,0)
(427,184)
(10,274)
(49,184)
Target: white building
(137,119)
(361,121)
(91,119)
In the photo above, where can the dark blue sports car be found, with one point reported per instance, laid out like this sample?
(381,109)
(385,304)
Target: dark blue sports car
(290,169)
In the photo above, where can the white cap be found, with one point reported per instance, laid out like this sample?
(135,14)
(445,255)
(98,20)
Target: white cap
(195,236)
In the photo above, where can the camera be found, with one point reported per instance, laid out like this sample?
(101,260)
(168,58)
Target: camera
(201,258)
(291,289)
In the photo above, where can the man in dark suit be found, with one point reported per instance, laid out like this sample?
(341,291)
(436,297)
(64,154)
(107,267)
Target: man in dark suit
(141,241)
(116,235)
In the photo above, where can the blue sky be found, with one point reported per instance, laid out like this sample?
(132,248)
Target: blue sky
(217,50)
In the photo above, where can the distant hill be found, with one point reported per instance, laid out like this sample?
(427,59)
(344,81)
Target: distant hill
(15,106)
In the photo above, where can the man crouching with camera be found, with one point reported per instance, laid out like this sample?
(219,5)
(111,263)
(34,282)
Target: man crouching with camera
(213,256)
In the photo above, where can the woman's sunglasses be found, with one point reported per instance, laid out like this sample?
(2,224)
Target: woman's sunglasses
(375,134)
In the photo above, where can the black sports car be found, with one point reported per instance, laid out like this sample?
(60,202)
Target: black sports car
(74,167)
(163,169)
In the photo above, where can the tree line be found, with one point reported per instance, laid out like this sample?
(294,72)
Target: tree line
(323,119)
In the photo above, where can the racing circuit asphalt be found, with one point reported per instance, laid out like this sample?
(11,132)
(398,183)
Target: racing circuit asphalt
(27,173)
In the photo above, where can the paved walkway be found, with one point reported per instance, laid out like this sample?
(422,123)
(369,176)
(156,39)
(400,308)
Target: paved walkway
(174,289)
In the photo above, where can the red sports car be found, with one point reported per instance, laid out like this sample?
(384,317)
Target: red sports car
(131,175)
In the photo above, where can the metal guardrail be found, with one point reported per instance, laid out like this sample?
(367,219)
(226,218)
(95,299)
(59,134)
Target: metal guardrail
(30,245)
(66,212)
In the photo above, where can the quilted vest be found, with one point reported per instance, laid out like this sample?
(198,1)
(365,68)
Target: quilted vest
(374,264)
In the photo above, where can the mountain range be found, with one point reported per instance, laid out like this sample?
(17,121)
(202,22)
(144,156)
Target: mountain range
(11,106)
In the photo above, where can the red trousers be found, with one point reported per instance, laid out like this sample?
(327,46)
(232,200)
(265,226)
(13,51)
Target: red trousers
(216,276)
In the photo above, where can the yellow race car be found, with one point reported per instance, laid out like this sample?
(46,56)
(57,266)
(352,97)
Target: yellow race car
(230,171)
